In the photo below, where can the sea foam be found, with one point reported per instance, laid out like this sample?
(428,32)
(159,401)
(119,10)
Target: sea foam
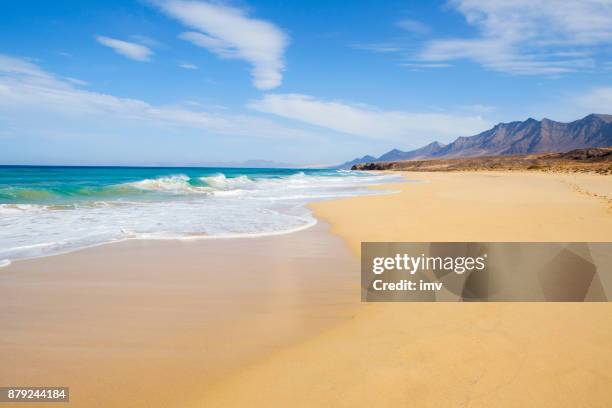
(174,206)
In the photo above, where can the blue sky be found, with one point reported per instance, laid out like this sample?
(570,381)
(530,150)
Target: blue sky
(307,82)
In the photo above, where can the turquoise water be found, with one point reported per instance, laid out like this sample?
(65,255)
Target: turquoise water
(49,210)
(60,185)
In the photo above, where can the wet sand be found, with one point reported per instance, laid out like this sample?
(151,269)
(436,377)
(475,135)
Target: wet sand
(156,323)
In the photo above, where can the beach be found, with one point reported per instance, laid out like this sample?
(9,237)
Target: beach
(153,323)
(451,354)
(277,204)
(276,321)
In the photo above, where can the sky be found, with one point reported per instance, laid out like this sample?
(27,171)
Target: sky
(181,82)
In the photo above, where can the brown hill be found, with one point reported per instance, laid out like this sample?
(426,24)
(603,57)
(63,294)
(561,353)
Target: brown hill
(597,160)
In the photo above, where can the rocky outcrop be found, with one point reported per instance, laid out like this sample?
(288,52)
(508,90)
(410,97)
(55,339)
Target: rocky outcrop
(597,160)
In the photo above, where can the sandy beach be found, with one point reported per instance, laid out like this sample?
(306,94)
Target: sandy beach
(298,204)
(192,324)
(155,323)
(448,354)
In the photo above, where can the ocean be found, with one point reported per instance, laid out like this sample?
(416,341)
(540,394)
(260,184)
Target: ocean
(50,210)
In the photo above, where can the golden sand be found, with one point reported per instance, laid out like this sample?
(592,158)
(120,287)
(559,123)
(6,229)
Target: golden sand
(491,206)
(155,323)
(275,322)
(453,354)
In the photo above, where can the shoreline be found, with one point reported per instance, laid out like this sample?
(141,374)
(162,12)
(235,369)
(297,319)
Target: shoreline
(452,354)
(198,237)
(173,317)
(309,219)
(108,207)
(334,349)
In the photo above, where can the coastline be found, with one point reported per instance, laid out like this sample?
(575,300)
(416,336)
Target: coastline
(453,354)
(277,204)
(66,210)
(196,237)
(283,319)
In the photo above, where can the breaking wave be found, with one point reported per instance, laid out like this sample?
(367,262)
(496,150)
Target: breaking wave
(172,184)
(46,218)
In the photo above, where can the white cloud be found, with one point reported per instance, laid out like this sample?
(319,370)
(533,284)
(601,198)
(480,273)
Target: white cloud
(28,91)
(528,37)
(418,65)
(230,33)
(414,26)
(188,66)
(597,100)
(128,49)
(146,40)
(376,47)
(76,81)
(416,127)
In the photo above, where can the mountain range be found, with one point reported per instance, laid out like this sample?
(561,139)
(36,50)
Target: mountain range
(526,137)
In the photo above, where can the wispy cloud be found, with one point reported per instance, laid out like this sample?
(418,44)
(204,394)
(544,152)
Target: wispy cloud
(146,40)
(188,66)
(412,127)
(414,26)
(128,49)
(376,47)
(597,100)
(418,65)
(76,81)
(230,33)
(528,37)
(27,90)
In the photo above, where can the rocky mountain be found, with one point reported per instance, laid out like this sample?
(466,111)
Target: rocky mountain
(532,136)
(421,153)
(529,136)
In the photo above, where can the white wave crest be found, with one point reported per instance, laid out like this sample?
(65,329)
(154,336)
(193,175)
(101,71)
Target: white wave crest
(220,182)
(17,208)
(172,184)
(224,207)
